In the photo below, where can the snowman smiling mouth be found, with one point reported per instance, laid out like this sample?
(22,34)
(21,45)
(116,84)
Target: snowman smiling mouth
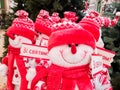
(73,61)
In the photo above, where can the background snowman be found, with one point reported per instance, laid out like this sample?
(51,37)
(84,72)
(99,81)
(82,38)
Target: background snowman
(13,65)
(42,27)
(102,79)
(70,51)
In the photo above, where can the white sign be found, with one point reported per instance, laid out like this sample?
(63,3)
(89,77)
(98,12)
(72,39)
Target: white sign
(96,64)
(34,51)
(107,55)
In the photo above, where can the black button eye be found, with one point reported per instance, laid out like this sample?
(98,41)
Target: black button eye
(76,44)
(13,34)
(38,32)
(69,45)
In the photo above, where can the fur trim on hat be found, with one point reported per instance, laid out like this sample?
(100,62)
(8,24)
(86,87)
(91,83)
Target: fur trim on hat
(20,31)
(68,36)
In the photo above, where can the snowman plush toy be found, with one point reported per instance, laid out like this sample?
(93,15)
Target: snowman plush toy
(42,25)
(70,51)
(13,65)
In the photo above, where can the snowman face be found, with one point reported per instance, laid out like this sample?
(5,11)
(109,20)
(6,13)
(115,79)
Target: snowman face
(18,41)
(64,56)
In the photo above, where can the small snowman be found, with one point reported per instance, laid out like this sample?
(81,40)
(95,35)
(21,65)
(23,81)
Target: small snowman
(42,27)
(13,65)
(101,80)
(70,51)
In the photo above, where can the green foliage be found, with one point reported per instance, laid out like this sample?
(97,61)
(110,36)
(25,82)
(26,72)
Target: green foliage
(5,45)
(20,4)
(9,18)
(116,82)
(111,37)
(34,6)
(7,22)
(116,5)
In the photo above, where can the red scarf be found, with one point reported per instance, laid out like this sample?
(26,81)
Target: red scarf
(13,53)
(59,78)
(69,77)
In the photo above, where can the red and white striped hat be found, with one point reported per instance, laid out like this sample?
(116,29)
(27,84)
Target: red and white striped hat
(92,26)
(43,22)
(22,25)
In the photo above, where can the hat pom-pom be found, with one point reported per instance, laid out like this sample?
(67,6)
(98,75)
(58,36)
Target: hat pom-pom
(71,16)
(118,14)
(21,14)
(44,13)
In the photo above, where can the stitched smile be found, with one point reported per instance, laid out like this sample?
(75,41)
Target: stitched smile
(61,52)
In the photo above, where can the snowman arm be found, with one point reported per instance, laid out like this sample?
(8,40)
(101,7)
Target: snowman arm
(5,60)
(115,20)
(4,66)
(40,86)
(42,73)
(30,74)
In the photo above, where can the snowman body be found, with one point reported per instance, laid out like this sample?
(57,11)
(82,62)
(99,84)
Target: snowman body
(69,69)
(15,66)
(69,52)
(75,66)
(43,28)
(41,41)
(17,73)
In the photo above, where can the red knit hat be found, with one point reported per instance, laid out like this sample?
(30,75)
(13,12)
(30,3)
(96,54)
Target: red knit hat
(55,17)
(92,26)
(22,25)
(69,15)
(64,25)
(43,23)
(69,36)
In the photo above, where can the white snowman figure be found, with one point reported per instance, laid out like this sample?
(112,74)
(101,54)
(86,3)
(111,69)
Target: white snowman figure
(13,65)
(101,79)
(42,27)
(70,51)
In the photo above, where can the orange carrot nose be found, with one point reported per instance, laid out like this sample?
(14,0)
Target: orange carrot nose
(73,48)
